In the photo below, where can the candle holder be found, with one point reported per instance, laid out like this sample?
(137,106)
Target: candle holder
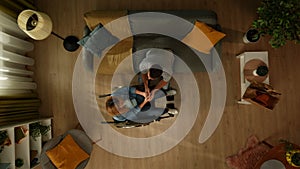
(261,71)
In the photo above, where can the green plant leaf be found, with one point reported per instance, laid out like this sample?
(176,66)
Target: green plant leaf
(279,19)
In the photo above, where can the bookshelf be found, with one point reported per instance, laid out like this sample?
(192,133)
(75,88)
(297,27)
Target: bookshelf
(27,150)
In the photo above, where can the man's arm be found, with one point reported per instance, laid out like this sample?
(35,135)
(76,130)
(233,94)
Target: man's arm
(160,84)
(145,81)
(166,78)
(140,93)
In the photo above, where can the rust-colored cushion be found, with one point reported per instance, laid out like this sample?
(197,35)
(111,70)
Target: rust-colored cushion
(93,18)
(203,37)
(120,28)
(67,154)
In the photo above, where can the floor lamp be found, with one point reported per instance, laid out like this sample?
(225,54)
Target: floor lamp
(38,26)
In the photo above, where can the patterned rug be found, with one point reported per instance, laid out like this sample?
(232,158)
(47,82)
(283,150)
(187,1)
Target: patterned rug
(248,156)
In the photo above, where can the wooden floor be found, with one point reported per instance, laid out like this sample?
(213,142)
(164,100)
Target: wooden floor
(54,70)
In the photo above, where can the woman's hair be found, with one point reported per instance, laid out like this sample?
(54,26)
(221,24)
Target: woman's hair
(155,71)
(111,106)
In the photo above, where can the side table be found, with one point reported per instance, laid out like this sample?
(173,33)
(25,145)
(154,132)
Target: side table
(249,61)
(276,153)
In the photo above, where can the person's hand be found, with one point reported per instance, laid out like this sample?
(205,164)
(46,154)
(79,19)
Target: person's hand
(147,99)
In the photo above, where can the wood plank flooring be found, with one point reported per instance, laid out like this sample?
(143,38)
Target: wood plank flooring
(54,70)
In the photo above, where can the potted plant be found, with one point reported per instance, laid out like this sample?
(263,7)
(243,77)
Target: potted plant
(19,162)
(252,35)
(37,130)
(292,154)
(280,20)
(4,140)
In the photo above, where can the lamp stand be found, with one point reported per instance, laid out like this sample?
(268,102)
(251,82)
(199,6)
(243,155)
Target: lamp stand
(70,42)
(38,26)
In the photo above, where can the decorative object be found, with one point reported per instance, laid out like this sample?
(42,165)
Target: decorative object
(19,162)
(4,140)
(262,94)
(272,164)
(252,35)
(247,157)
(280,20)
(37,130)
(47,135)
(20,133)
(38,26)
(292,153)
(293,157)
(34,160)
(261,71)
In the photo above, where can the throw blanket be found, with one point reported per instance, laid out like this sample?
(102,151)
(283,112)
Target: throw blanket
(247,157)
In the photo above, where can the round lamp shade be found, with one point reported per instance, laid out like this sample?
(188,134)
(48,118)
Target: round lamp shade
(37,25)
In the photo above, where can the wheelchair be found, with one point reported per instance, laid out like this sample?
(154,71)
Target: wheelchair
(132,124)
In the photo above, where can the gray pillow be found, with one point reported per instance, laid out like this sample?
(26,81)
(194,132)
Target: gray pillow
(98,40)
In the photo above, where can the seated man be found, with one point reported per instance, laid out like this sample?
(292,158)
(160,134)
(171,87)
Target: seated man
(157,65)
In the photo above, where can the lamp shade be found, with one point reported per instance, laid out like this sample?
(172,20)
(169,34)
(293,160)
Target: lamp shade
(37,25)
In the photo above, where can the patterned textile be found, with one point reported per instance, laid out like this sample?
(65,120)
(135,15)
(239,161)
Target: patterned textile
(248,156)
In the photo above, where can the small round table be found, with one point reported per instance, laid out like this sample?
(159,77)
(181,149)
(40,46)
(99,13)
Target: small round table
(251,66)
(276,153)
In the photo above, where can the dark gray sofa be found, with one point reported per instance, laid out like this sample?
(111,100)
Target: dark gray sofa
(163,29)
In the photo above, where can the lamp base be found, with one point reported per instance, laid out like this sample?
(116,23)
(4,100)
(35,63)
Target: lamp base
(70,43)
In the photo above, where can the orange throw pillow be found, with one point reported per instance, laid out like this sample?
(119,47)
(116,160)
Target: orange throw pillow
(203,37)
(67,154)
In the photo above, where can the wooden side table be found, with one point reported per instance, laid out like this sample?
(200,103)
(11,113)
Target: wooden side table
(249,61)
(276,153)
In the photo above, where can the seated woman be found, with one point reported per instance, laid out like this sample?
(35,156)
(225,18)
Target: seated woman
(128,103)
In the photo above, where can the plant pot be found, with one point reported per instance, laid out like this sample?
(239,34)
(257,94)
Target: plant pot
(47,135)
(252,35)
(293,158)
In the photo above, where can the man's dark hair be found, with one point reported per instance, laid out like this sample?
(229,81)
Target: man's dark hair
(155,71)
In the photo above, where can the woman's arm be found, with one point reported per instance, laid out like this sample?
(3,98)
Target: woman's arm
(145,80)
(140,93)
